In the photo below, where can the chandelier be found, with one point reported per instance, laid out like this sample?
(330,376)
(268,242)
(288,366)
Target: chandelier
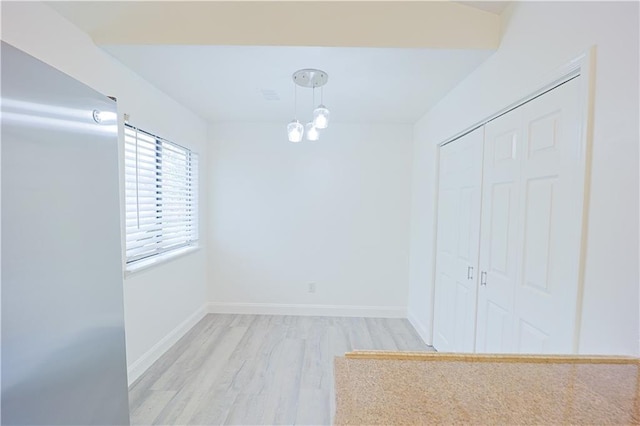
(311,79)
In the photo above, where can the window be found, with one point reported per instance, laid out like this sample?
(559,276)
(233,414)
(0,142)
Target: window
(161,190)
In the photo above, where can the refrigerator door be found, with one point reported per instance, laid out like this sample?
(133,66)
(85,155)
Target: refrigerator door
(63,344)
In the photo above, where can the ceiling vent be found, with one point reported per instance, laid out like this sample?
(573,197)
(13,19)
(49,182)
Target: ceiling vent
(270,95)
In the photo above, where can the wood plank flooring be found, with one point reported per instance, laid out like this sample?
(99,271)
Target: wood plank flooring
(258,369)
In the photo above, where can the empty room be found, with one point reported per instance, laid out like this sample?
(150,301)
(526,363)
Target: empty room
(319,212)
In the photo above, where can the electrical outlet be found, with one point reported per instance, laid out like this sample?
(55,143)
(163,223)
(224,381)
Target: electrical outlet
(312,287)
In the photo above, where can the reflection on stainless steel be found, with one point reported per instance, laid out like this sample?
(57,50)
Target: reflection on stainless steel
(45,115)
(39,109)
(12,118)
(63,353)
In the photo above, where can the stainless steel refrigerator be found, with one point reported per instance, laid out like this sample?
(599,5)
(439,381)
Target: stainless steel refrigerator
(63,343)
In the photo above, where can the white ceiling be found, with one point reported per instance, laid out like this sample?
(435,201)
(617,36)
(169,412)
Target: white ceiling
(233,61)
(238,83)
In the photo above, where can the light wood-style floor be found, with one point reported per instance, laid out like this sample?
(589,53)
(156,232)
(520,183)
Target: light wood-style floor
(258,369)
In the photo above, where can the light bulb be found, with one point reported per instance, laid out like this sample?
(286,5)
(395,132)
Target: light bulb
(321,117)
(295,130)
(312,132)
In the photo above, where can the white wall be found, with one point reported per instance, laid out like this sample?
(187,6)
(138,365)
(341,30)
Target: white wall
(334,212)
(539,38)
(159,300)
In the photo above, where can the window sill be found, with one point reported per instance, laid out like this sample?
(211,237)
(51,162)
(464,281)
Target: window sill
(145,264)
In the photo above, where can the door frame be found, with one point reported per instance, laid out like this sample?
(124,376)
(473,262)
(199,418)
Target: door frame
(582,66)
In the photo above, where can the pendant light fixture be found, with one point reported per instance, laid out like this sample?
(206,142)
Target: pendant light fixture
(310,128)
(309,78)
(295,129)
(312,133)
(321,114)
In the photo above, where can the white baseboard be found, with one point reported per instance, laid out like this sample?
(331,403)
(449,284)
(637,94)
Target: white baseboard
(420,328)
(141,365)
(308,310)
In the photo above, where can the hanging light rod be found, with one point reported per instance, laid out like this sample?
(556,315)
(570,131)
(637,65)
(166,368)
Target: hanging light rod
(309,78)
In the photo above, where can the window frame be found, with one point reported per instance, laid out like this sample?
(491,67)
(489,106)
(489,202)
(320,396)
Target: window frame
(186,185)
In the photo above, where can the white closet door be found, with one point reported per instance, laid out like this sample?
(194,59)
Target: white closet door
(531,226)
(460,180)
(499,246)
(552,188)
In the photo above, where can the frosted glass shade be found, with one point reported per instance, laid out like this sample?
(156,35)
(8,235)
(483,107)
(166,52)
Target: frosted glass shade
(321,117)
(295,130)
(312,132)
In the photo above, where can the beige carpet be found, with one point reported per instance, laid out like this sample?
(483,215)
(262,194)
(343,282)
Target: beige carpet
(397,389)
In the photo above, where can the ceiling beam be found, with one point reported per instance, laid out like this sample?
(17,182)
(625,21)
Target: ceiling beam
(408,24)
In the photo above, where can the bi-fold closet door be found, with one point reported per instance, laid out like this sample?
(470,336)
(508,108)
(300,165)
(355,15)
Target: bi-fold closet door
(460,188)
(510,208)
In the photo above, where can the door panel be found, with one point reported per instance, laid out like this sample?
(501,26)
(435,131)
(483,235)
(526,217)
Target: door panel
(498,320)
(465,309)
(552,184)
(502,209)
(532,340)
(457,246)
(499,238)
(465,246)
(538,215)
(533,192)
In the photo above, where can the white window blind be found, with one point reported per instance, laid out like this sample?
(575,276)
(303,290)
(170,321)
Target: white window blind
(161,190)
